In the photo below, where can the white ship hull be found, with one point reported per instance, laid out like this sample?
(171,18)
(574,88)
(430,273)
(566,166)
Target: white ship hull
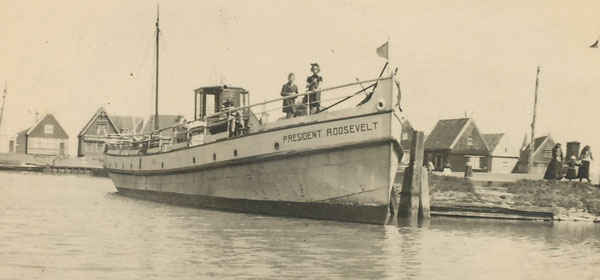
(337,166)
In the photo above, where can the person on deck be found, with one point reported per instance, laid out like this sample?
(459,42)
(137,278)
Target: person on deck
(313,83)
(586,160)
(289,104)
(554,169)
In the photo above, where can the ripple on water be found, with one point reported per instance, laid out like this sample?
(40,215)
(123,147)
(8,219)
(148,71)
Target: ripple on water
(69,227)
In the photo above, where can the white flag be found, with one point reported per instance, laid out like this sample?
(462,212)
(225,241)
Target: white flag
(383,51)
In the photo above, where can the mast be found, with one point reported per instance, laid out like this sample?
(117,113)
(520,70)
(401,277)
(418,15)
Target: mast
(532,144)
(4,93)
(156,127)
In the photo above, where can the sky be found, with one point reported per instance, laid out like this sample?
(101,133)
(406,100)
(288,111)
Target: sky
(454,58)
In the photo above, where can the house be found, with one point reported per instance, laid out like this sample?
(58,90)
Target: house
(541,156)
(45,137)
(92,138)
(503,157)
(452,142)
(165,121)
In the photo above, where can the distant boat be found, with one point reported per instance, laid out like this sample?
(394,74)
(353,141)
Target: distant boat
(335,164)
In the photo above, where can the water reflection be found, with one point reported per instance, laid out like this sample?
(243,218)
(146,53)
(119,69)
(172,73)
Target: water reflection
(57,227)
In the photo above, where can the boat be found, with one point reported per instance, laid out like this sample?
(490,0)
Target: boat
(335,164)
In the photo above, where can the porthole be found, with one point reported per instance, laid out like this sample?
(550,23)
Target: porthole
(276,146)
(235,153)
(214,156)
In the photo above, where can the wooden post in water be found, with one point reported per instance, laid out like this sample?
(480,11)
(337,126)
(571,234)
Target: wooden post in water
(410,196)
(424,199)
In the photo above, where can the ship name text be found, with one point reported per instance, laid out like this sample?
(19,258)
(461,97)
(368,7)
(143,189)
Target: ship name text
(330,131)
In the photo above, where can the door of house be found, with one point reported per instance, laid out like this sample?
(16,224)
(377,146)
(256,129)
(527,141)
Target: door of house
(439,162)
(61,149)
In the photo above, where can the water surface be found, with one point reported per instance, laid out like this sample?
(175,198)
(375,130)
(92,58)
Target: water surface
(77,227)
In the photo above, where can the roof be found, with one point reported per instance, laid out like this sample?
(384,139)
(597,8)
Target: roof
(164,122)
(492,140)
(59,132)
(130,123)
(539,141)
(118,122)
(22,132)
(444,134)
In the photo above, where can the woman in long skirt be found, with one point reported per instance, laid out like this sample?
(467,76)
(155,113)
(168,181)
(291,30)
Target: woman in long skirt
(554,169)
(586,160)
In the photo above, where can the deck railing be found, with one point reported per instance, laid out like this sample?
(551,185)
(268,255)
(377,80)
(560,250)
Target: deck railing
(135,141)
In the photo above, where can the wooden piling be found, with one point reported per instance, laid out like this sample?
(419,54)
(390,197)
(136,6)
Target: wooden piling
(424,198)
(411,185)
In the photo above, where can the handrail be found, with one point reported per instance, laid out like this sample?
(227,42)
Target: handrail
(296,95)
(230,110)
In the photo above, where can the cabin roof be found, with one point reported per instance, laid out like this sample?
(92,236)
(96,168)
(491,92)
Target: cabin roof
(217,89)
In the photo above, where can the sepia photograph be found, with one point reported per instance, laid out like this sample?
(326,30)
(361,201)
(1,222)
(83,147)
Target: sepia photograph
(280,139)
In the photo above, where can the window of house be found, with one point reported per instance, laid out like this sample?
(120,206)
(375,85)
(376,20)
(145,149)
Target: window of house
(476,162)
(101,130)
(48,129)
(470,140)
(404,136)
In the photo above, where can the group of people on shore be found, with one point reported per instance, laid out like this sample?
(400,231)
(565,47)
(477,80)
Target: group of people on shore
(577,167)
(311,101)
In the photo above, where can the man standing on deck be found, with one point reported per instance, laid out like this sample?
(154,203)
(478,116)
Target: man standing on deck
(289,104)
(313,84)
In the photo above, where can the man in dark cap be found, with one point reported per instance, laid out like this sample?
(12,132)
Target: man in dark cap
(289,88)
(313,83)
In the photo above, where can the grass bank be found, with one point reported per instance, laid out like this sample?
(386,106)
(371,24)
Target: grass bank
(568,200)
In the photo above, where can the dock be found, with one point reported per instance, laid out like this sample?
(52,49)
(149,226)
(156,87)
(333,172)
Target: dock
(53,165)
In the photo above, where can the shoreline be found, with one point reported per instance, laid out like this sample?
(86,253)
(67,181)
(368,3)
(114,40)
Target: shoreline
(524,199)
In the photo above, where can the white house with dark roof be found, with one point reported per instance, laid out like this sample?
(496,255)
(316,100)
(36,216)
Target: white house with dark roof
(503,156)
